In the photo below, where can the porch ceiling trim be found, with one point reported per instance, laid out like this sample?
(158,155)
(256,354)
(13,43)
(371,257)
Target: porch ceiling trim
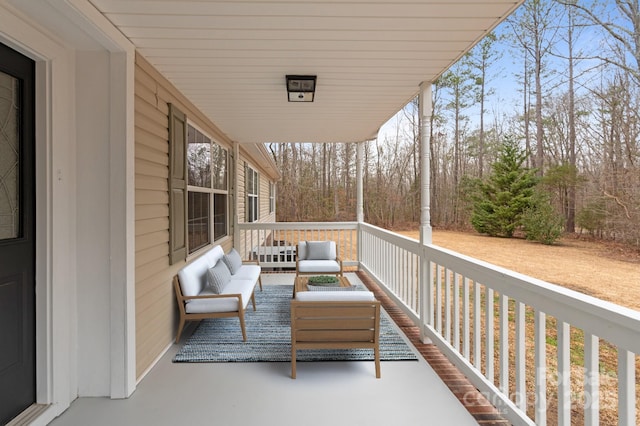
(230,58)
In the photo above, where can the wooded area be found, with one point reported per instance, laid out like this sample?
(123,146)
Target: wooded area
(561,78)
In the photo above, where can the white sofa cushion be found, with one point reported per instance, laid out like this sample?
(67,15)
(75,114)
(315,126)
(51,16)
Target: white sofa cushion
(318,266)
(193,277)
(213,255)
(335,296)
(218,277)
(247,272)
(225,304)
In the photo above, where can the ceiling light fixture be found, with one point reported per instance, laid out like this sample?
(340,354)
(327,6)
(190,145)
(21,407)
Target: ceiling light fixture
(301,88)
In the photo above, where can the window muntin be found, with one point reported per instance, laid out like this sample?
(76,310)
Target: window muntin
(208,190)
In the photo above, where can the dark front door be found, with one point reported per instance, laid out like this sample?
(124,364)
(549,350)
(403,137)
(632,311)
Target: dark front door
(17,234)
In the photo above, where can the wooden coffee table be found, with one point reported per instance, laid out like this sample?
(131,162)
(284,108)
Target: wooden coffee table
(300,283)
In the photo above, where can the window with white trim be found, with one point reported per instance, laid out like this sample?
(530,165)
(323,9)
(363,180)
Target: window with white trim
(272,197)
(252,184)
(207,208)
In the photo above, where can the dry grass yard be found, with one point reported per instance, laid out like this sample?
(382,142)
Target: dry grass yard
(605,270)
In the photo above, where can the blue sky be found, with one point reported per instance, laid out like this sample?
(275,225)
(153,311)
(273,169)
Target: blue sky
(503,76)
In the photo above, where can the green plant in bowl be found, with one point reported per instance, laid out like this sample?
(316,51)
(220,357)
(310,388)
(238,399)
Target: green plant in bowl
(323,280)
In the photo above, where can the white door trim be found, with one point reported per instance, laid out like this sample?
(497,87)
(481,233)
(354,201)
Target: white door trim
(56,253)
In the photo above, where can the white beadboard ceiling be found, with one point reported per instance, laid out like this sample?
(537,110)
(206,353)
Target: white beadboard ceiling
(231,57)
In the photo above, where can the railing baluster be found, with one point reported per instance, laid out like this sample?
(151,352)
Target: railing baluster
(564,374)
(504,344)
(430,293)
(466,336)
(541,368)
(626,388)
(591,380)
(447,305)
(439,299)
(521,367)
(456,311)
(477,330)
(489,334)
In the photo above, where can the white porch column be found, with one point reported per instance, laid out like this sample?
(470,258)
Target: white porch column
(424,102)
(359,183)
(234,195)
(426,295)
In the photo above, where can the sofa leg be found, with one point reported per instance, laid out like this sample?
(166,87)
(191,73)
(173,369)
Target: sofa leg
(260,281)
(244,331)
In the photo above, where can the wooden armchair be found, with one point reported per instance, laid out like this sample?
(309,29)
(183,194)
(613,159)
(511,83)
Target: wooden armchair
(318,257)
(335,320)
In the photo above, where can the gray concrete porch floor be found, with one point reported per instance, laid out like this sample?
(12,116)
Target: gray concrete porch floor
(324,393)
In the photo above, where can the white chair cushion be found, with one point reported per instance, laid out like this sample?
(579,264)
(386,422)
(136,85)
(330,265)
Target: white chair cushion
(318,266)
(303,252)
(335,296)
(235,286)
(321,250)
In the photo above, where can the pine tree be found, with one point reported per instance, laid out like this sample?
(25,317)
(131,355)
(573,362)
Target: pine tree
(501,199)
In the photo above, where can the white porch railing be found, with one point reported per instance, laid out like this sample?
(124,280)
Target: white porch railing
(509,348)
(274,243)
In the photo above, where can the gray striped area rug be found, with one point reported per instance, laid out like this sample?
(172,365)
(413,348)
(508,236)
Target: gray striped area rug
(269,337)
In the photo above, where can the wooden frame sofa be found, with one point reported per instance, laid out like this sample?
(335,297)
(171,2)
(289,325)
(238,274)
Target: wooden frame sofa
(335,320)
(198,300)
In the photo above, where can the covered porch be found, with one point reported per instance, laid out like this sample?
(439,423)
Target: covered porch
(106,72)
(336,392)
(479,362)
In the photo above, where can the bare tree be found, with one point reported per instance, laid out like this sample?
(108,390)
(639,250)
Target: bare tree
(481,59)
(534,27)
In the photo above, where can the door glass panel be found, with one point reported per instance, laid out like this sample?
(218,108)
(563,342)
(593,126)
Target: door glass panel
(9,156)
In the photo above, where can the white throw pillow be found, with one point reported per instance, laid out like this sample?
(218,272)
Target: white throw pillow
(218,277)
(319,250)
(233,261)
